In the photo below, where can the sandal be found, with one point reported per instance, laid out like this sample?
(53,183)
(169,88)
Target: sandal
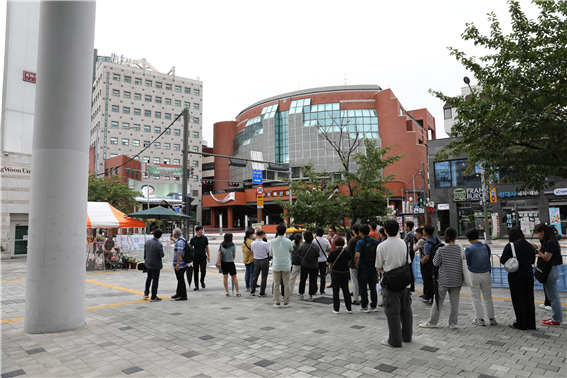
(238,295)
(227,294)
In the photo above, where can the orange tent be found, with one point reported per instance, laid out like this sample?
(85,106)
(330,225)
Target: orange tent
(103,215)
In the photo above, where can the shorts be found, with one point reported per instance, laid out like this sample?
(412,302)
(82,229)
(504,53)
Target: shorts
(228,268)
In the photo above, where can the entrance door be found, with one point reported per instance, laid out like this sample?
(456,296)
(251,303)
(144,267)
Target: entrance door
(21,240)
(444,221)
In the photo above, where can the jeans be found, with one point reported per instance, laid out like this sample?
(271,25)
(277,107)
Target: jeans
(181,291)
(281,276)
(199,262)
(355,288)
(552,292)
(454,298)
(322,274)
(482,284)
(339,281)
(397,308)
(249,274)
(153,278)
(312,273)
(522,294)
(260,266)
(295,271)
(367,277)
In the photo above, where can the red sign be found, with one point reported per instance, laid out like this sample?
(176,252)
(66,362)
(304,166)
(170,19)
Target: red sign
(259,190)
(29,76)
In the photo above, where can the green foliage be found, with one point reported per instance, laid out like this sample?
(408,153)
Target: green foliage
(518,119)
(110,189)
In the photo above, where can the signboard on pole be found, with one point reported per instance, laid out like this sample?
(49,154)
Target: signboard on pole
(257,168)
(256,226)
(259,190)
(257,177)
(260,201)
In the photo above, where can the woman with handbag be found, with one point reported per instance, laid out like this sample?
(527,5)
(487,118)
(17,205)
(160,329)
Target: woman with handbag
(550,252)
(340,274)
(521,281)
(450,280)
(248,258)
(309,254)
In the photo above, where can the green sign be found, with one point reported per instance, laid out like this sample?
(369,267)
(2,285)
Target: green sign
(164,171)
(459,194)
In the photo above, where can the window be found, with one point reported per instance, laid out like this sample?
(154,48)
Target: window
(187,90)
(147,129)
(168,131)
(196,148)
(125,125)
(187,104)
(148,98)
(127,79)
(442,174)
(195,193)
(115,108)
(176,147)
(195,105)
(148,83)
(167,115)
(125,142)
(138,81)
(146,143)
(137,96)
(113,155)
(137,172)
(166,146)
(175,161)
(113,140)
(176,132)
(137,111)
(116,92)
(158,84)
(177,102)
(157,144)
(156,160)
(157,114)
(195,134)
(136,127)
(147,113)
(447,113)
(158,100)
(127,94)
(168,101)
(146,159)
(116,77)
(195,178)
(177,88)
(114,124)
(458,176)
(125,110)
(117,170)
(195,163)
(157,129)
(165,160)
(177,178)
(135,143)
(195,119)
(156,177)
(196,92)
(167,87)
(166,177)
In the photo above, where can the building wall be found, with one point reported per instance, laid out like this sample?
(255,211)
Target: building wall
(223,133)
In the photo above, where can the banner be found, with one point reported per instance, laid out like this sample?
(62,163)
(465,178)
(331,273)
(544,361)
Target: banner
(555,218)
(137,242)
(528,221)
(154,170)
(229,197)
(495,226)
(155,192)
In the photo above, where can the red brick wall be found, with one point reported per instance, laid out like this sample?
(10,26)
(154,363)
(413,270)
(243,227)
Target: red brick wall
(117,161)
(223,134)
(91,161)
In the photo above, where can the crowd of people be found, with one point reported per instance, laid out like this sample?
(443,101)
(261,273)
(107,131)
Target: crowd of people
(375,260)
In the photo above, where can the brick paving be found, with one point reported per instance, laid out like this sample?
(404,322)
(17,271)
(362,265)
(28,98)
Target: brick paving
(211,335)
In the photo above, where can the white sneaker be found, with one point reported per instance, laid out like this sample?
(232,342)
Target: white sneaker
(427,325)
(335,312)
(548,308)
(349,311)
(277,305)
(362,309)
(286,305)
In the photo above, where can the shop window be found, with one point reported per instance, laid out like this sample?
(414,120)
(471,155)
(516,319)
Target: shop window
(458,176)
(442,174)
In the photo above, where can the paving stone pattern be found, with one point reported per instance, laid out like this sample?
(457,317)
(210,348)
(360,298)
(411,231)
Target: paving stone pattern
(250,338)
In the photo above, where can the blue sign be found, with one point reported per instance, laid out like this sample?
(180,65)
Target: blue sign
(257,176)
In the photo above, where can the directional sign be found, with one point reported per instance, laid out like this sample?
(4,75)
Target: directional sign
(259,190)
(257,176)
(260,201)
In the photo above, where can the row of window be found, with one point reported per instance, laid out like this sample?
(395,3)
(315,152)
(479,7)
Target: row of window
(158,99)
(158,84)
(452,173)
(147,113)
(136,143)
(135,173)
(148,129)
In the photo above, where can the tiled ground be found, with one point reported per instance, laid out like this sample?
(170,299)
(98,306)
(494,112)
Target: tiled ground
(213,336)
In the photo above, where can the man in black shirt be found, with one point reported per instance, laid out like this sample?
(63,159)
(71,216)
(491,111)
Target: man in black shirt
(200,244)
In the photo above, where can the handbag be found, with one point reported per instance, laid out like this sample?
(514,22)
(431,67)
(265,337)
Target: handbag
(397,279)
(333,264)
(542,270)
(219,260)
(512,264)
(466,274)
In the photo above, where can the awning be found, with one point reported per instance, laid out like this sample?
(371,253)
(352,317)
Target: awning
(103,215)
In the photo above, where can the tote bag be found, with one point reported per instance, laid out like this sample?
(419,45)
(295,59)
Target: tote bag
(466,275)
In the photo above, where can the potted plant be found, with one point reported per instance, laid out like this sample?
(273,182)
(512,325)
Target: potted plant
(132,262)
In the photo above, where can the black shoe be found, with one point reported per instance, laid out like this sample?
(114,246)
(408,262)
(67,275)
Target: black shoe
(174,296)
(156,299)
(196,288)
(181,299)
(203,285)
(422,296)
(429,302)
(426,299)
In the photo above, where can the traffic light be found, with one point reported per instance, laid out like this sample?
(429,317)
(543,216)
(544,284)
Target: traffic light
(233,184)
(189,208)
(207,182)
(420,199)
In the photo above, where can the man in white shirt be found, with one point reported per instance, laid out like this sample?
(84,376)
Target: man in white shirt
(393,253)
(281,250)
(324,249)
(261,251)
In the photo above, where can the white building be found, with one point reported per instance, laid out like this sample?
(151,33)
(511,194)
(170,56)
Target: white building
(18,104)
(132,107)
(449,113)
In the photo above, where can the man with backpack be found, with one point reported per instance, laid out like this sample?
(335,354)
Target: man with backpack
(365,260)
(179,266)
(431,246)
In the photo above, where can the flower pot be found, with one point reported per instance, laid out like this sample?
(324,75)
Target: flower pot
(133,265)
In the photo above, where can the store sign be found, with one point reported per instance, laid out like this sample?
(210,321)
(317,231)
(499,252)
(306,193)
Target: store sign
(23,170)
(560,192)
(276,193)
(154,170)
(519,194)
(443,206)
(30,76)
(468,194)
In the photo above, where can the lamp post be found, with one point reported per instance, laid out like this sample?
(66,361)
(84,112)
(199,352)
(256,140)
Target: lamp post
(484,205)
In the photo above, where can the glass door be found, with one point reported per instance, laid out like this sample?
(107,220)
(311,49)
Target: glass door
(21,240)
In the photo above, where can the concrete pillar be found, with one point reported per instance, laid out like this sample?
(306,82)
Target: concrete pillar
(55,283)
(230,217)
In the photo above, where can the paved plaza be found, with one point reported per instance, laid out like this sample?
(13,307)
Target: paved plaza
(211,335)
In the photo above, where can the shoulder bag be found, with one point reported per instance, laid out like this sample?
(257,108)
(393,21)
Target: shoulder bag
(218,263)
(466,274)
(542,270)
(512,264)
(397,279)
(338,257)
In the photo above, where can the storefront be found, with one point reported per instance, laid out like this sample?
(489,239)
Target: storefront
(558,209)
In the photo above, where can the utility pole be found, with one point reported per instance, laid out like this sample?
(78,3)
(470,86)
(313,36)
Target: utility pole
(485,209)
(184,204)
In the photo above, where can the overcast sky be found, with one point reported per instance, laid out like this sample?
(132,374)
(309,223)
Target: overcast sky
(245,51)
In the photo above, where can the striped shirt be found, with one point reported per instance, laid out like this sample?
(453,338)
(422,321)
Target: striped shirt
(448,259)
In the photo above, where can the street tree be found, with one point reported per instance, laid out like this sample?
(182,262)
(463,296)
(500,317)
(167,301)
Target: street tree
(110,189)
(517,120)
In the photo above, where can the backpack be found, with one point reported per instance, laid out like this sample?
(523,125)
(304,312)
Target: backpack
(188,253)
(370,253)
(435,248)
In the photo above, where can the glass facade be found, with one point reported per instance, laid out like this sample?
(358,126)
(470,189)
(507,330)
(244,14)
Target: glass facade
(452,173)
(282,138)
